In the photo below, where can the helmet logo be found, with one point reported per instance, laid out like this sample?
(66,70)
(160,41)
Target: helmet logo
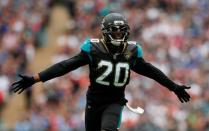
(118,22)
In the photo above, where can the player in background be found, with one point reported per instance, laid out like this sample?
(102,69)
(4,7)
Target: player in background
(110,60)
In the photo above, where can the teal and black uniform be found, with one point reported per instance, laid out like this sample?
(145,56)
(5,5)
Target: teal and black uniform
(109,75)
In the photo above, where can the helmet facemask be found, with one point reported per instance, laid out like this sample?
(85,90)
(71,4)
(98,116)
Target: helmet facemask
(118,34)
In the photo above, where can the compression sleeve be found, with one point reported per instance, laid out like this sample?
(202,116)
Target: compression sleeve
(64,67)
(144,68)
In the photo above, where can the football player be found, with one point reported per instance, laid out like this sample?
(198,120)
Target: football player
(110,60)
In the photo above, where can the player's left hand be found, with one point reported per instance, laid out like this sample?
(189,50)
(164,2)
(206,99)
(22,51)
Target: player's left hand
(181,93)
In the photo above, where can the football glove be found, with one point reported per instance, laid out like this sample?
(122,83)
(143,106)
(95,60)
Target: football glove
(181,93)
(22,84)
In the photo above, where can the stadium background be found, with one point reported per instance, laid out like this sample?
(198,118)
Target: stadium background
(34,34)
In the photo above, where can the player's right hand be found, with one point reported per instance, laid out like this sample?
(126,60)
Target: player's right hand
(22,84)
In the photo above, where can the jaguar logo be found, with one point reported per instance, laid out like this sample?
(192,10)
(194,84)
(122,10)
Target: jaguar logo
(127,55)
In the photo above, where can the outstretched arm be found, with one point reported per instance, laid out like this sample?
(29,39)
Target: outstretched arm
(64,67)
(146,69)
(140,66)
(55,70)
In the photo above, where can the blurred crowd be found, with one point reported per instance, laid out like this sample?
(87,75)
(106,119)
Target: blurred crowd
(22,31)
(174,35)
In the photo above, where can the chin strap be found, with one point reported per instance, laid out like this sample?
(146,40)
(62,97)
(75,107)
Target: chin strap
(117,42)
(105,46)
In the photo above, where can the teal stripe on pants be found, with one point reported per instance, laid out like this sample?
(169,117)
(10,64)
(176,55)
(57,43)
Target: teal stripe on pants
(120,119)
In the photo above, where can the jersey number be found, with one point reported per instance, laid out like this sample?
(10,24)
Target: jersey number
(117,72)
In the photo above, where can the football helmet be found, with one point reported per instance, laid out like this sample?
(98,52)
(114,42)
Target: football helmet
(115,29)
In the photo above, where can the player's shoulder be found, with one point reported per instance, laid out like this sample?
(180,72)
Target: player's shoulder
(86,45)
(134,46)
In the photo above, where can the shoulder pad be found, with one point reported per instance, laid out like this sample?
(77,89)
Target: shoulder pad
(132,42)
(94,40)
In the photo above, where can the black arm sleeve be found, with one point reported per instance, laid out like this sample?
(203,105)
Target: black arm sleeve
(141,67)
(64,67)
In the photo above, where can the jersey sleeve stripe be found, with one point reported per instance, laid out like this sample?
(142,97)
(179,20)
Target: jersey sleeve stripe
(86,47)
(139,51)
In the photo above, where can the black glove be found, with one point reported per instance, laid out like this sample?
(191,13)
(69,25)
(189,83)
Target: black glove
(22,84)
(181,93)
